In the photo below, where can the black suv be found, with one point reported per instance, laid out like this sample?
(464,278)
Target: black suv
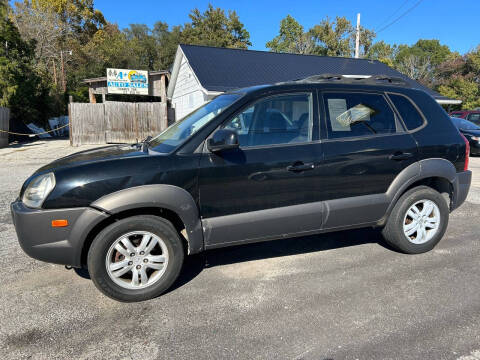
(267,162)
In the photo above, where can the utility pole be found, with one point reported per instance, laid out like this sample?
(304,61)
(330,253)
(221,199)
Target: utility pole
(54,71)
(357,38)
(62,60)
(64,85)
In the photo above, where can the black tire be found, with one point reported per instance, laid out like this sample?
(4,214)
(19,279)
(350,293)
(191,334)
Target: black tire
(97,253)
(393,230)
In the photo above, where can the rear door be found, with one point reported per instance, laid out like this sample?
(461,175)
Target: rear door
(365,147)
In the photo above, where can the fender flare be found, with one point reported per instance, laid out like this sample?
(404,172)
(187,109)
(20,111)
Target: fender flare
(436,167)
(164,196)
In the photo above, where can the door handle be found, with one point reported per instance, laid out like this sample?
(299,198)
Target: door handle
(300,166)
(401,156)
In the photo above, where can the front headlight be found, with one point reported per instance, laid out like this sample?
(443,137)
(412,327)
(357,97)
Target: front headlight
(476,138)
(38,190)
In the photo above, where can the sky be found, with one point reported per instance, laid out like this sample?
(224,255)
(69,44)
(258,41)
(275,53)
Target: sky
(454,23)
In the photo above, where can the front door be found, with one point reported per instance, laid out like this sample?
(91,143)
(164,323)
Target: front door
(268,188)
(365,147)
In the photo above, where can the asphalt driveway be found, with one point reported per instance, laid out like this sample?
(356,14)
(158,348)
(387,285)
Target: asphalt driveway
(334,296)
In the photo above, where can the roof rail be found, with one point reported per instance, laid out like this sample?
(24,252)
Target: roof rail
(356,79)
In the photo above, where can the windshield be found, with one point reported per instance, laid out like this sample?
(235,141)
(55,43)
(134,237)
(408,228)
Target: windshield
(178,132)
(463,124)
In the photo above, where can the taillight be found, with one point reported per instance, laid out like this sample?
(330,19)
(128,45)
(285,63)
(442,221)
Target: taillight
(467,152)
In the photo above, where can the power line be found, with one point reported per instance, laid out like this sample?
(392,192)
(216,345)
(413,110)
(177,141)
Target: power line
(399,17)
(394,13)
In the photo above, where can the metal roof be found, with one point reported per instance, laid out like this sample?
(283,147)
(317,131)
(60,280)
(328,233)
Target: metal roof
(223,69)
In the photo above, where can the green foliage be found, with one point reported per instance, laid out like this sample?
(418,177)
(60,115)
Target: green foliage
(332,38)
(80,15)
(329,38)
(20,88)
(215,28)
(43,34)
(383,52)
(166,40)
(464,89)
(291,38)
(39,33)
(460,78)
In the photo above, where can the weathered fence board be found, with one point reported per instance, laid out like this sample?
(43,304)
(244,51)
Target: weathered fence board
(4,125)
(87,123)
(151,118)
(116,122)
(120,122)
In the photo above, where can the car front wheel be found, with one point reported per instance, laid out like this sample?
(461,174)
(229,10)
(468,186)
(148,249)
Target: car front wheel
(136,258)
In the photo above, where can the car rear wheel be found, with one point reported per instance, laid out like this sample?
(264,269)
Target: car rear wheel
(418,221)
(136,258)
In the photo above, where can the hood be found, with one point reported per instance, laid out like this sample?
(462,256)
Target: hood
(471,132)
(94,155)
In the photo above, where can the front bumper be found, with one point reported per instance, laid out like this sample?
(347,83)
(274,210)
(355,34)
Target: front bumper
(60,245)
(461,187)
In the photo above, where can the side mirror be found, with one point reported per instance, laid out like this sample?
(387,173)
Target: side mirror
(223,139)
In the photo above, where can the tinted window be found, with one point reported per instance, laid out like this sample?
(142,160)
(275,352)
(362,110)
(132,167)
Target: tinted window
(456,114)
(357,114)
(410,115)
(474,117)
(278,120)
(179,131)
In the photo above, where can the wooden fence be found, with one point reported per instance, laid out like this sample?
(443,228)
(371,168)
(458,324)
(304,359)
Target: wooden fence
(115,122)
(4,125)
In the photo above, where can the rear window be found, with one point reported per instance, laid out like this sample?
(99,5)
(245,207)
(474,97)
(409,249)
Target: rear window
(410,115)
(358,114)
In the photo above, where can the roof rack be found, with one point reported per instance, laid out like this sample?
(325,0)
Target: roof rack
(355,79)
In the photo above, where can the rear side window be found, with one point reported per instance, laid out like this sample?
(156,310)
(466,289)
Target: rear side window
(410,115)
(358,114)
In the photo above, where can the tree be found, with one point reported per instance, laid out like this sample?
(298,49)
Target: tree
(332,38)
(20,88)
(383,52)
(329,38)
(214,28)
(80,15)
(421,60)
(459,78)
(415,67)
(46,29)
(464,89)
(140,38)
(291,38)
(167,41)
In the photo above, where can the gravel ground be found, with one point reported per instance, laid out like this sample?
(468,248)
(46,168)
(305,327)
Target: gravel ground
(334,296)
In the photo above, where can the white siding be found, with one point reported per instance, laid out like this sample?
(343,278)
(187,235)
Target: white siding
(187,95)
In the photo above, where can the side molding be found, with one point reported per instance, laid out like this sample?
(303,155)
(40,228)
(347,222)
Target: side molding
(168,197)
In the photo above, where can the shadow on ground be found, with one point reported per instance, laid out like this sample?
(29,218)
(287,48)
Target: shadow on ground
(276,248)
(195,264)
